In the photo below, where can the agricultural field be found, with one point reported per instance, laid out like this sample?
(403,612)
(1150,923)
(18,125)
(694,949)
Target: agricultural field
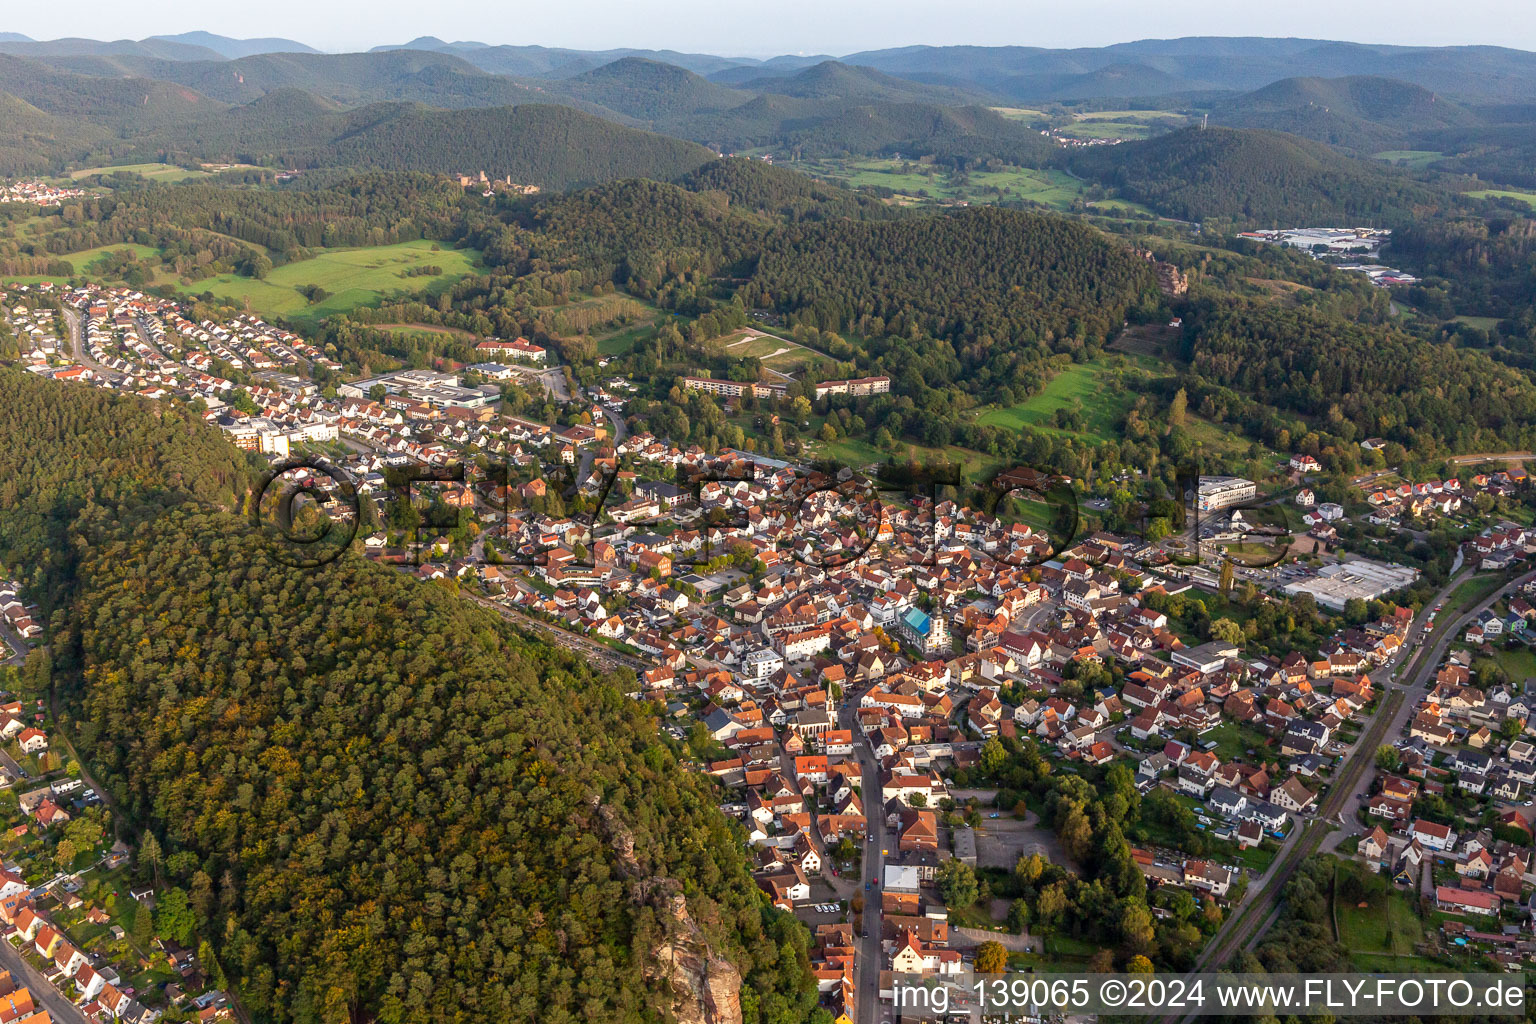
(1130,115)
(1026,114)
(919,182)
(1413,159)
(154,172)
(1108,130)
(1528,198)
(352,277)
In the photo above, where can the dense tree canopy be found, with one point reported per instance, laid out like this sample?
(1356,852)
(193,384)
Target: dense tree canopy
(411,809)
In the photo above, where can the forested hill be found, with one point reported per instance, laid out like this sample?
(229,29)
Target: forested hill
(78,464)
(1253,178)
(1352,381)
(1362,113)
(986,280)
(383,802)
(536,144)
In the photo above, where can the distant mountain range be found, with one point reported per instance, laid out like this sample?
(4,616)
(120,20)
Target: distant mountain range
(1148,67)
(234,48)
(198,96)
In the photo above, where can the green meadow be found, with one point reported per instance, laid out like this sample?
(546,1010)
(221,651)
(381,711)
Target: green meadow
(1414,159)
(353,277)
(1528,198)
(1084,388)
(154,172)
(922,182)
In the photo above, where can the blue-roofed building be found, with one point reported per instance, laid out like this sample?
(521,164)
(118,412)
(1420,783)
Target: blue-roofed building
(925,632)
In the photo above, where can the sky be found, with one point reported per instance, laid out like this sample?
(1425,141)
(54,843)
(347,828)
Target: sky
(835,27)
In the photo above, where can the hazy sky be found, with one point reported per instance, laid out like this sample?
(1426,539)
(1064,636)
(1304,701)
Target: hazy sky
(789,26)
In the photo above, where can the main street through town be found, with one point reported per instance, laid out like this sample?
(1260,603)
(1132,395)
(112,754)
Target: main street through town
(867,964)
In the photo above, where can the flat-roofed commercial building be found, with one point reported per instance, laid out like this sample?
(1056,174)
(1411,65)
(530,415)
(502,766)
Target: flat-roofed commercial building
(1334,586)
(1217,492)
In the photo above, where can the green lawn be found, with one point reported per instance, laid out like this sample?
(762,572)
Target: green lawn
(1519,663)
(1529,198)
(1053,188)
(354,277)
(775,353)
(83,259)
(1470,592)
(1129,115)
(1120,206)
(1386,924)
(1233,741)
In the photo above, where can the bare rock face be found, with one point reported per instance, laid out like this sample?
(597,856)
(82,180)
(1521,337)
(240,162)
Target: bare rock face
(706,987)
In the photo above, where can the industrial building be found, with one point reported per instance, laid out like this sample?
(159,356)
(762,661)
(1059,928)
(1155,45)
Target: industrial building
(1334,586)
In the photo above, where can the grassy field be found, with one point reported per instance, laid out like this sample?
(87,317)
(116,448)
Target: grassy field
(154,172)
(354,277)
(920,182)
(82,261)
(858,453)
(1081,387)
(1020,113)
(1414,159)
(451,332)
(1234,740)
(1129,115)
(621,341)
(1387,924)
(1528,198)
(1469,592)
(1520,663)
(1108,130)
(776,353)
(1121,206)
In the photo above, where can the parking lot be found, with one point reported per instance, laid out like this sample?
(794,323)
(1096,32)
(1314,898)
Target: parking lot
(1000,842)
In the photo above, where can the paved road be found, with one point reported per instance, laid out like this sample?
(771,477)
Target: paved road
(72,320)
(1349,785)
(13,650)
(43,994)
(867,965)
(619,431)
(1419,673)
